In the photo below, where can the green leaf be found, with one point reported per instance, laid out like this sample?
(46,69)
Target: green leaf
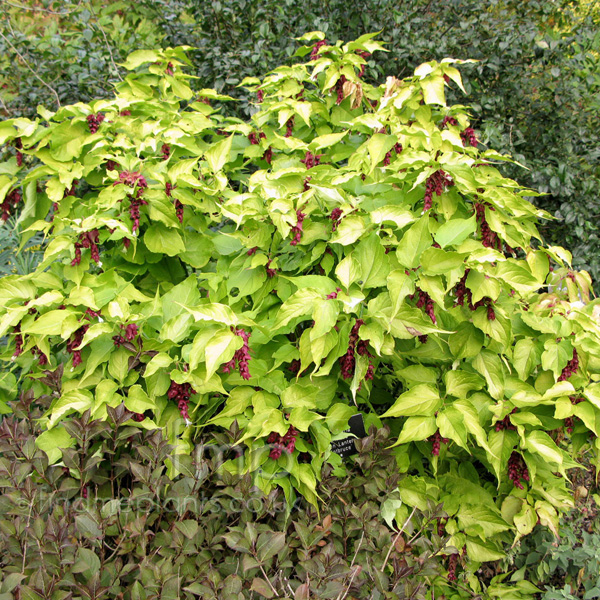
(467,341)
(348,231)
(162,240)
(433,91)
(419,400)
(413,243)
(451,425)
(455,231)
(218,155)
(137,401)
(539,442)
(489,365)
(416,429)
(373,261)
(220,349)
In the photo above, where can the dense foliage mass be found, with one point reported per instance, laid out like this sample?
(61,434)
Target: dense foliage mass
(535,87)
(350,247)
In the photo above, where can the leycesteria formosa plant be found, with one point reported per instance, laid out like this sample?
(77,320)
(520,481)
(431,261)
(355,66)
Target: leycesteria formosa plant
(349,248)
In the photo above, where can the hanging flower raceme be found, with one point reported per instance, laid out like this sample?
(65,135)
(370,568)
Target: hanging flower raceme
(448,121)
(181,392)
(506,424)
(348,361)
(336,218)
(254,138)
(289,127)
(436,440)
(18,341)
(297,228)
(363,54)
(131,332)
(436,183)
(19,146)
(165,151)
(87,239)
(468,137)
(9,204)
(135,180)
(311,160)
(517,470)
(425,301)
(241,357)
(571,367)
(270,272)
(489,238)
(280,444)
(74,342)
(315,49)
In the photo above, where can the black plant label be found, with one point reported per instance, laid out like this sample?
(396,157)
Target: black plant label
(346,446)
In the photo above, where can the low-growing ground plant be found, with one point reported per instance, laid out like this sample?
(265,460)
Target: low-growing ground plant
(349,248)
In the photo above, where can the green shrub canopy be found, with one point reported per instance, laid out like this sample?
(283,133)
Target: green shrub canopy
(351,247)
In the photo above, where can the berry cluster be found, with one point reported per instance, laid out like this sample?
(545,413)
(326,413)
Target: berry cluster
(125,113)
(111,165)
(181,392)
(241,356)
(297,228)
(468,137)
(10,202)
(136,180)
(571,367)
(505,423)
(437,182)
(311,160)
(260,96)
(436,441)
(336,218)
(165,151)
(19,146)
(388,157)
(279,444)
(87,239)
(169,187)
(255,138)
(489,238)
(517,470)
(252,251)
(138,417)
(74,342)
(426,303)
(94,121)
(289,127)
(268,155)
(315,49)
(131,332)
(333,295)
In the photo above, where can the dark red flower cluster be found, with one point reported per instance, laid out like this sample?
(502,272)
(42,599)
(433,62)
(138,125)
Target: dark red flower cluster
(170,69)
(364,54)
(505,423)
(571,367)
(254,138)
(42,358)
(260,96)
(181,392)
(348,361)
(125,113)
(339,89)
(437,182)
(165,151)
(19,146)
(336,218)
(268,155)
(279,444)
(462,291)
(517,470)
(252,251)
(436,441)
(311,160)
(333,295)
(18,341)
(270,272)
(138,417)
(294,367)
(489,238)
(452,564)
(289,127)
(426,303)
(94,121)
(297,228)
(448,121)
(9,204)
(87,239)
(468,137)
(135,180)
(305,186)
(315,49)
(241,356)
(74,342)
(169,187)
(111,165)
(131,332)
(91,314)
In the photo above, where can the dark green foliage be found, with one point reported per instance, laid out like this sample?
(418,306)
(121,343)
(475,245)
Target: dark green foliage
(110,523)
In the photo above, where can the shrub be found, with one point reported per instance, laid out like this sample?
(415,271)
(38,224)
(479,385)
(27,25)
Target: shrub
(110,523)
(349,248)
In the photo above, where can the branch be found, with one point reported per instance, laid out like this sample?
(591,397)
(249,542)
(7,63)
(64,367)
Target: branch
(40,9)
(396,538)
(29,67)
